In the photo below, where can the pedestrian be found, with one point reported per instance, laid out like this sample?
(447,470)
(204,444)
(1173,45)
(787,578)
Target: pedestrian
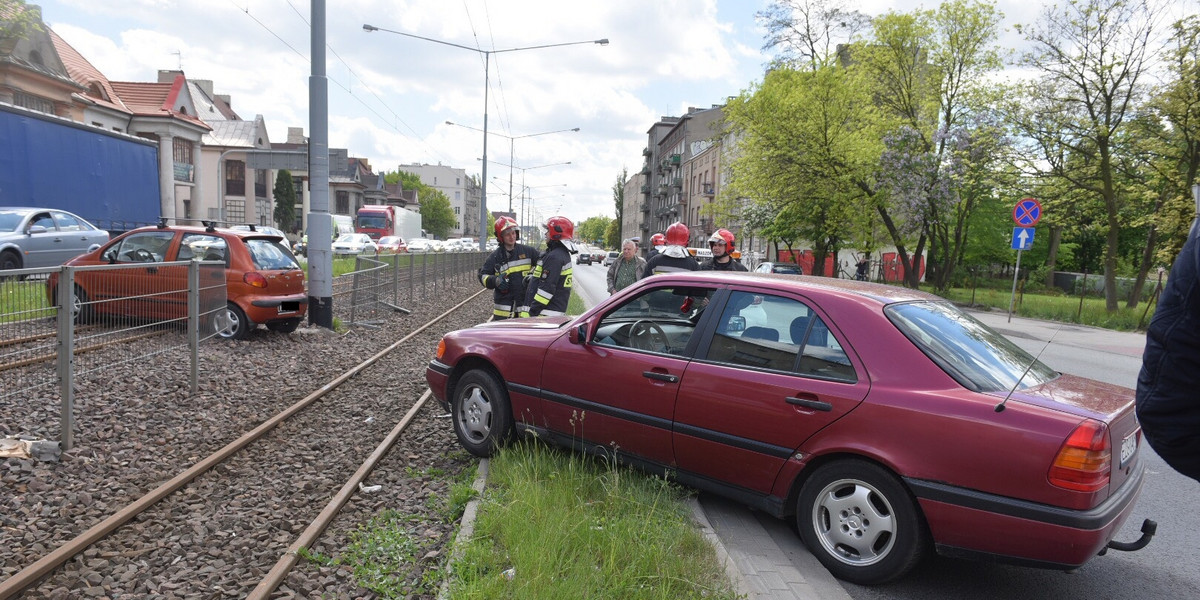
(1168,404)
(657,241)
(505,269)
(674,256)
(549,289)
(860,269)
(626,269)
(721,244)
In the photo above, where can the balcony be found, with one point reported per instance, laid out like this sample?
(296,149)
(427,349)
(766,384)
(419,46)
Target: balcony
(646,151)
(645,188)
(645,207)
(677,183)
(708,189)
(645,169)
(675,159)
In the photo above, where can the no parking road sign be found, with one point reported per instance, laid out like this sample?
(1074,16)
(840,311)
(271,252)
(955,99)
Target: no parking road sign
(1027,212)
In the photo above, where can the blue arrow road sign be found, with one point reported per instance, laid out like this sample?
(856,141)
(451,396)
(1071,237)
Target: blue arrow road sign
(1022,238)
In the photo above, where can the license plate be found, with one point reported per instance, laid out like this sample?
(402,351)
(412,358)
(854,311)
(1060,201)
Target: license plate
(288,307)
(1128,447)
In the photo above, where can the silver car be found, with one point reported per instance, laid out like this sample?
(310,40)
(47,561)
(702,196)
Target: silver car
(44,237)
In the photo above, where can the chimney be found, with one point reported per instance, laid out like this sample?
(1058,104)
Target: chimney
(204,84)
(168,75)
(224,98)
(296,135)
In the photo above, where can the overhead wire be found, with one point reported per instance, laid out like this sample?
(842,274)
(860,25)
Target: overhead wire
(382,118)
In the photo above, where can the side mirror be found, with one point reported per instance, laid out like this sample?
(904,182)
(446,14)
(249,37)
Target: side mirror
(578,335)
(36,229)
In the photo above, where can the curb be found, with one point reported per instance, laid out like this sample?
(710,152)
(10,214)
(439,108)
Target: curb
(466,527)
(731,569)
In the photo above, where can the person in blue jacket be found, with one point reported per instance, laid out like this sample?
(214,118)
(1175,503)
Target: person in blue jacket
(1168,386)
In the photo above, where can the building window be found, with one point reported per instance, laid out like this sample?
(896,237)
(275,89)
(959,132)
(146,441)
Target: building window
(33,102)
(457,196)
(457,210)
(260,183)
(342,203)
(235,178)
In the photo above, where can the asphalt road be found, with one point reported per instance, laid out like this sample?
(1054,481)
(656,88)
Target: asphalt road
(1168,568)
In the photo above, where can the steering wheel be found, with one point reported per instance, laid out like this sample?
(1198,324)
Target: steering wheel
(143,255)
(648,335)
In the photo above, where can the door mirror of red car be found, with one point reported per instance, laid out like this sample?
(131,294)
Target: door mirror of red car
(578,335)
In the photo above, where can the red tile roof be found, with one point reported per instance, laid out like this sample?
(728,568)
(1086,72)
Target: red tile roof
(85,74)
(153,99)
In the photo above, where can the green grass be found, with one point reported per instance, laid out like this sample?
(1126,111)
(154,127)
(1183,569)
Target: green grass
(555,524)
(22,300)
(1050,307)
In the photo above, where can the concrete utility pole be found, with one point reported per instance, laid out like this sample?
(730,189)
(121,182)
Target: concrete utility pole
(320,228)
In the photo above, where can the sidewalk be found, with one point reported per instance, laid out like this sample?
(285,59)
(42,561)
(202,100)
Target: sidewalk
(1066,334)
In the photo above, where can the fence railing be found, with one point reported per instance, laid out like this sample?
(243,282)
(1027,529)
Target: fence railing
(382,284)
(59,325)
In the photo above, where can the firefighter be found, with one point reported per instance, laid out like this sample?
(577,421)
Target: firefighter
(674,256)
(549,289)
(657,241)
(721,243)
(505,269)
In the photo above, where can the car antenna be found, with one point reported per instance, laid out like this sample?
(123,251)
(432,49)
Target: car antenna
(1000,407)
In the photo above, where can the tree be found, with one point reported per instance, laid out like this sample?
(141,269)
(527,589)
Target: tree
(619,202)
(806,32)
(928,69)
(1092,56)
(16,22)
(592,229)
(285,201)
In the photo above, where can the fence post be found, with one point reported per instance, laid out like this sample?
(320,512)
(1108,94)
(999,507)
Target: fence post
(193,327)
(66,355)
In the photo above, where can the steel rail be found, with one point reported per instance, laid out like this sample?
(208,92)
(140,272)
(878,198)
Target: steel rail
(30,575)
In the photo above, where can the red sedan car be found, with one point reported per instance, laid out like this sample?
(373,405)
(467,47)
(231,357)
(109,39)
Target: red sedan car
(884,420)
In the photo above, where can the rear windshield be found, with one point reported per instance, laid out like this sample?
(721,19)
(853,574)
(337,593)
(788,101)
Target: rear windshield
(972,353)
(270,255)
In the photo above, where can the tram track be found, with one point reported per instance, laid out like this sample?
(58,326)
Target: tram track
(235,494)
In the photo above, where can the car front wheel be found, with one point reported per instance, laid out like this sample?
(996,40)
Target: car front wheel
(481,413)
(861,522)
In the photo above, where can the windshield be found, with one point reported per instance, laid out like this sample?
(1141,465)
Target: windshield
(9,221)
(973,354)
(372,221)
(348,238)
(270,255)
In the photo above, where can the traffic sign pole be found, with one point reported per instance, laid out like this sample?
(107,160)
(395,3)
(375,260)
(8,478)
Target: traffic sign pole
(1025,214)
(1012,298)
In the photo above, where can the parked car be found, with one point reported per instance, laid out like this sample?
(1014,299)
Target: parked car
(420,245)
(885,421)
(583,258)
(267,229)
(610,258)
(778,267)
(263,281)
(43,237)
(351,244)
(393,244)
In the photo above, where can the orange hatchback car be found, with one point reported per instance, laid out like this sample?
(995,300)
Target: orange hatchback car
(264,283)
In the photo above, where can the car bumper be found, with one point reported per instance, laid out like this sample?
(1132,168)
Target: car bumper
(971,524)
(437,375)
(273,308)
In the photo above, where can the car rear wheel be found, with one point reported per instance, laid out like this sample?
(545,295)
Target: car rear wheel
(861,522)
(284,326)
(236,325)
(481,413)
(82,309)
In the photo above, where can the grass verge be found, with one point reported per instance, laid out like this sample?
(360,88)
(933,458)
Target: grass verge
(1065,309)
(554,524)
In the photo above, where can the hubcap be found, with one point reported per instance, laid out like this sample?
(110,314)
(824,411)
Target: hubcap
(475,414)
(854,522)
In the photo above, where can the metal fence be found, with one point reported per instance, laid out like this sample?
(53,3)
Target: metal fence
(381,285)
(116,315)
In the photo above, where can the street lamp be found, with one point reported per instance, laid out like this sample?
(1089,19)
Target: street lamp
(512,139)
(487,57)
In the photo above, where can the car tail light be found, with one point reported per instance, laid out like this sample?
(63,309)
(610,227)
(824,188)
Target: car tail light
(1085,459)
(255,279)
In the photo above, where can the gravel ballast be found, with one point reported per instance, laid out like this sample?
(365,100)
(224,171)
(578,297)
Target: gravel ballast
(137,427)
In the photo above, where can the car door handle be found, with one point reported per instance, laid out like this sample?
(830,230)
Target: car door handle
(660,376)
(810,403)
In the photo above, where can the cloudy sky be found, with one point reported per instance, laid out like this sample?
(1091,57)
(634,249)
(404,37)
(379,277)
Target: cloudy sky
(390,95)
